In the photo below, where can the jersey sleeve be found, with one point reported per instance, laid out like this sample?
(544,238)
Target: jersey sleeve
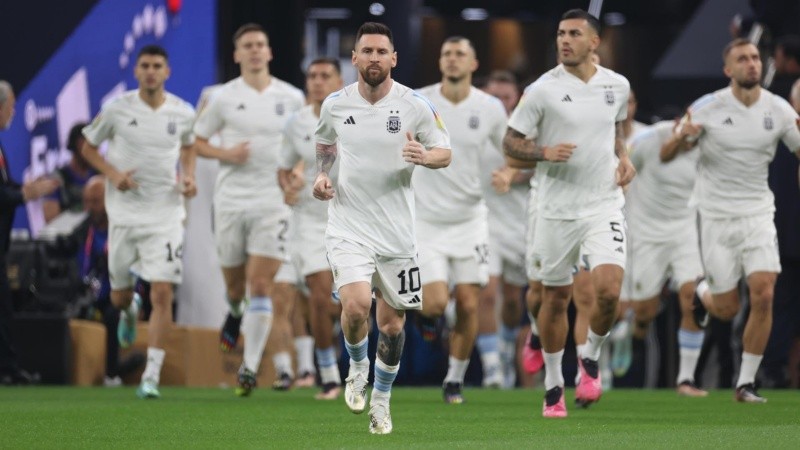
(102,127)
(528,113)
(641,145)
(288,156)
(790,132)
(187,137)
(622,111)
(209,121)
(430,130)
(499,125)
(325,133)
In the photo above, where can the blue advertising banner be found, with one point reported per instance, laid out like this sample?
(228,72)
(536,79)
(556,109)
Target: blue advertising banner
(96,64)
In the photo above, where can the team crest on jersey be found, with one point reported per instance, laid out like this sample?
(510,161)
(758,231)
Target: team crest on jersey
(393,124)
(768,122)
(474,122)
(172,127)
(610,97)
(280,109)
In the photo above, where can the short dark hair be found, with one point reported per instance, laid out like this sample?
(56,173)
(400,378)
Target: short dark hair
(153,50)
(457,39)
(248,28)
(325,60)
(791,46)
(502,76)
(738,42)
(75,133)
(578,13)
(374,28)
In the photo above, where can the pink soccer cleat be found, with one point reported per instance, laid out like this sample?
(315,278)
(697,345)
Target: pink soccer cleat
(554,407)
(532,358)
(589,388)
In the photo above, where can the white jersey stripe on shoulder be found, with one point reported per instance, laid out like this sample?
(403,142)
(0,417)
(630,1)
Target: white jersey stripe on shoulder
(702,102)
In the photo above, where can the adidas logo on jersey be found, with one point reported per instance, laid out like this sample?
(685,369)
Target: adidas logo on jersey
(240,107)
(566,98)
(133,123)
(415,300)
(350,121)
(728,121)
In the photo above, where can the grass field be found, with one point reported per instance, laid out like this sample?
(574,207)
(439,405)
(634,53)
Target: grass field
(65,417)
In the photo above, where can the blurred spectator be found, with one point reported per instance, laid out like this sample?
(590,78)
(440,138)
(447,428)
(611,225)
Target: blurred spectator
(93,260)
(780,17)
(787,55)
(503,85)
(12,195)
(73,178)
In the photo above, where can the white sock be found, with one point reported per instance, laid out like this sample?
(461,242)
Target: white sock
(593,344)
(490,362)
(237,308)
(256,325)
(133,309)
(553,374)
(580,349)
(688,364)
(747,373)
(330,374)
(534,327)
(283,364)
(456,370)
(155,359)
(304,346)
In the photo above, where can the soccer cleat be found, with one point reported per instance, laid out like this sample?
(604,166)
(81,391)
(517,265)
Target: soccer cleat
(246,381)
(380,420)
(493,378)
(148,389)
(452,393)
(554,406)
(330,391)
(747,393)
(687,388)
(229,335)
(532,358)
(699,311)
(126,329)
(590,387)
(355,392)
(282,383)
(306,380)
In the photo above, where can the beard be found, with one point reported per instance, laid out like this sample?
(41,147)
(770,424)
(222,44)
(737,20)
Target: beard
(455,79)
(374,79)
(747,84)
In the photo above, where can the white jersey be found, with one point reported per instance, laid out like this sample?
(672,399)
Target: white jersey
(657,203)
(149,142)
(374,202)
(476,124)
(239,113)
(561,108)
(298,145)
(736,146)
(507,211)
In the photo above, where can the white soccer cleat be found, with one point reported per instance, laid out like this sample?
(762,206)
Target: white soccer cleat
(380,420)
(355,392)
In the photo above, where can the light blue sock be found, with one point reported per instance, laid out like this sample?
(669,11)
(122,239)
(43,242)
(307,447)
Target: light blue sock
(357,352)
(326,357)
(509,335)
(487,343)
(384,376)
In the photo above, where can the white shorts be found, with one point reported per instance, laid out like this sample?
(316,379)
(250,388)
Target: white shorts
(308,252)
(558,245)
(507,259)
(242,233)
(650,264)
(735,247)
(155,250)
(398,279)
(530,231)
(454,252)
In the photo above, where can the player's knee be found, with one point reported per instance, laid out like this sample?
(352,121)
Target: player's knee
(761,305)
(121,299)
(433,307)
(466,308)
(259,287)
(557,305)
(726,310)
(355,312)
(608,293)
(161,295)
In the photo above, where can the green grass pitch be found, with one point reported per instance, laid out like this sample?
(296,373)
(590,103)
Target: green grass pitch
(67,417)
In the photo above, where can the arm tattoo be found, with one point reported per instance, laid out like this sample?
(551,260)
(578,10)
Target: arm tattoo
(326,155)
(619,140)
(390,348)
(516,146)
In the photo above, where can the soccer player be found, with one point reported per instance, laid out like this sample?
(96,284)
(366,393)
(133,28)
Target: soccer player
(452,223)
(663,242)
(505,191)
(251,220)
(149,130)
(382,130)
(575,113)
(736,130)
(323,77)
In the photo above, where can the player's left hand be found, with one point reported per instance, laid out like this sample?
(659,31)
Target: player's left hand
(625,172)
(413,151)
(189,189)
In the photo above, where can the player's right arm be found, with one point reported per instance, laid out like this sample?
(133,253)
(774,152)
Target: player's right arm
(684,138)
(326,156)
(523,153)
(238,154)
(101,129)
